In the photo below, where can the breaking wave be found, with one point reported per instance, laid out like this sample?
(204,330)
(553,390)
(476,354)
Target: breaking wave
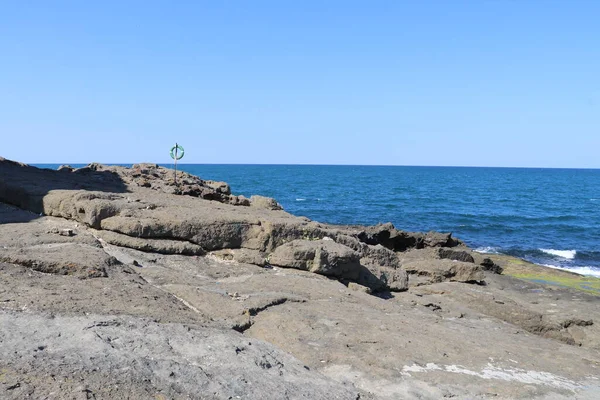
(568,254)
(589,271)
(487,250)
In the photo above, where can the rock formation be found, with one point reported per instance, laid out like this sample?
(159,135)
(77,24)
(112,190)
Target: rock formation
(117,283)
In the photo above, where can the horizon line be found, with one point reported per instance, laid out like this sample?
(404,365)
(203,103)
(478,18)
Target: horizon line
(316,165)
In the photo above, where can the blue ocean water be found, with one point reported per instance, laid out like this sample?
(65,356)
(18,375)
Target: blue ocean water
(548,216)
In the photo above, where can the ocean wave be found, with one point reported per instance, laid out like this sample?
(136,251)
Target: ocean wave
(300,199)
(590,255)
(487,250)
(568,254)
(588,271)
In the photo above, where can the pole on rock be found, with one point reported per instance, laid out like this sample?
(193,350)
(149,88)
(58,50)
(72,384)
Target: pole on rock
(175,164)
(177,153)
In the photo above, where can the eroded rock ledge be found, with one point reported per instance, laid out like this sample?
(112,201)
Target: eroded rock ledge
(142,208)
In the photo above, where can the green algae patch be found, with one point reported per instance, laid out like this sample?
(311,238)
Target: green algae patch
(551,277)
(583,283)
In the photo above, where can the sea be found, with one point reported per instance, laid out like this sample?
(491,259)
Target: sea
(547,216)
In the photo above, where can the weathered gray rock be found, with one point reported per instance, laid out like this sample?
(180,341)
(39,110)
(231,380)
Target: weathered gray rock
(35,245)
(387,235)
(81,261)
(324,257)
(164,180)
(433,271)
(264,202)
(394,239)
(161,246)
(434,340)
(239,201)
(456,255)
(359,288)
(160,360)
(244,256)
(381,278)
(221,187)
(437,239)
(86,207)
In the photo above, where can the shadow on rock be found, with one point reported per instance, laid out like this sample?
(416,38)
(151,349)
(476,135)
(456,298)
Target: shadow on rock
(25,186)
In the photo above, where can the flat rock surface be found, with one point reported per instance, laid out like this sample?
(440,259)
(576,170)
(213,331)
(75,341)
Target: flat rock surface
(110,357)
(178,313)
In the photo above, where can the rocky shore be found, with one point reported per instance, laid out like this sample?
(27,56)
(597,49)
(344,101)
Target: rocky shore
(118,283)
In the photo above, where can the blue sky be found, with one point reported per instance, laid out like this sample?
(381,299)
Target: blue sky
(486,83)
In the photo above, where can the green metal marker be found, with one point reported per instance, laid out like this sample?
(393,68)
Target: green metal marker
(177,153)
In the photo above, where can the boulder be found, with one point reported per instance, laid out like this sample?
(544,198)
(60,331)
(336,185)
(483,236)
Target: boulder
(434,271)
(239,200)
(381,278)
(456,255)
(384,269)
(387,235)
(489,265)
(437,239)
(220,187)
(324,257)
(380,256)
(265,202)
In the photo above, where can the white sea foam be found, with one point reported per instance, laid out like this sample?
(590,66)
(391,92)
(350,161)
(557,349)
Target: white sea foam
(300,199)
(487,250)
(588,271)
(568,254)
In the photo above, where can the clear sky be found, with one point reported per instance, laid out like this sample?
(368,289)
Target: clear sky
(478,82)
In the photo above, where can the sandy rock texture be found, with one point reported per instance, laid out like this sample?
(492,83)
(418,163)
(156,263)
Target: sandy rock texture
(115,283)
